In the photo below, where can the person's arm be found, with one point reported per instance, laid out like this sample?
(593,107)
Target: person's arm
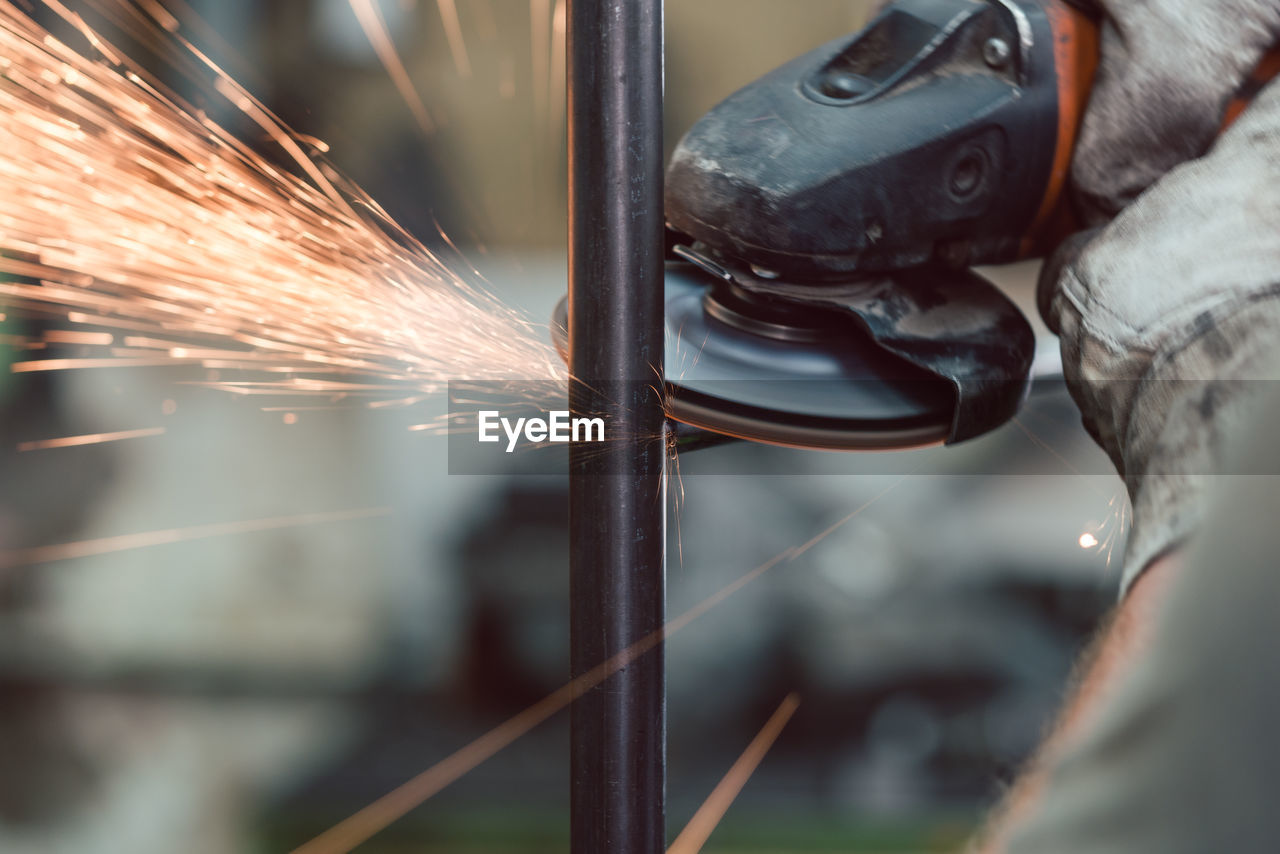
(1175,750)
(1118,645)
(1167,309)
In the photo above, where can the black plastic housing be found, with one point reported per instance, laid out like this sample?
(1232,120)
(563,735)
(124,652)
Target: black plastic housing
(927,137)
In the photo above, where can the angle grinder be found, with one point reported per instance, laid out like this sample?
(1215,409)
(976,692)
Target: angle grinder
(822,222)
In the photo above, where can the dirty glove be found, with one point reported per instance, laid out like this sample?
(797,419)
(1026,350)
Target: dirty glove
(1171,304)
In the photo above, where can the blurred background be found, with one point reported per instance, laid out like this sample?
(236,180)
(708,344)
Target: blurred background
(243,692)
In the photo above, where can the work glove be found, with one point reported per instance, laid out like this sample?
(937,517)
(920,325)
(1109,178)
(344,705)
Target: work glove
(1168,308)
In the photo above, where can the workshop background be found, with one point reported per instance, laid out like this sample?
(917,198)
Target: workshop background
(244,692)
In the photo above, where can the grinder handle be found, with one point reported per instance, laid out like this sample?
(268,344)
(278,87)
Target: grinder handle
(1077,51)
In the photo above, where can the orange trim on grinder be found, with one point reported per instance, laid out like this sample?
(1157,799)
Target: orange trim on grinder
(1076,48)
(1266,71)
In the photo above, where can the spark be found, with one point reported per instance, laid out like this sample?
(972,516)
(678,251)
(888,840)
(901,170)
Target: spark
(712,812)
(375,29)
(90,439)
(678,494)
(69,336)
(453,32)
(1047,448)
(1117,523)
(122,208)
(206,33)
(127,542)
(377,816)
(68,364)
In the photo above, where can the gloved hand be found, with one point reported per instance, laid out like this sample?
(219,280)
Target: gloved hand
(1170,305)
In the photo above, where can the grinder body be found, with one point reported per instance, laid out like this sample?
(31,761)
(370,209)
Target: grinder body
(822,221)
(942,133)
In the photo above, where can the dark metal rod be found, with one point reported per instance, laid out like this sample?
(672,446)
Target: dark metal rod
(616,495)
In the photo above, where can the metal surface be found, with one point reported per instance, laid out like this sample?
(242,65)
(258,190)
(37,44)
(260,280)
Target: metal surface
(617,506)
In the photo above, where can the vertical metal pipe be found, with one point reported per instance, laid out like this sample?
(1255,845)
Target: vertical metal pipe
(616,494)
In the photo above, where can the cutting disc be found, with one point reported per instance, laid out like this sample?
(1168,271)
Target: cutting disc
(876,366)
